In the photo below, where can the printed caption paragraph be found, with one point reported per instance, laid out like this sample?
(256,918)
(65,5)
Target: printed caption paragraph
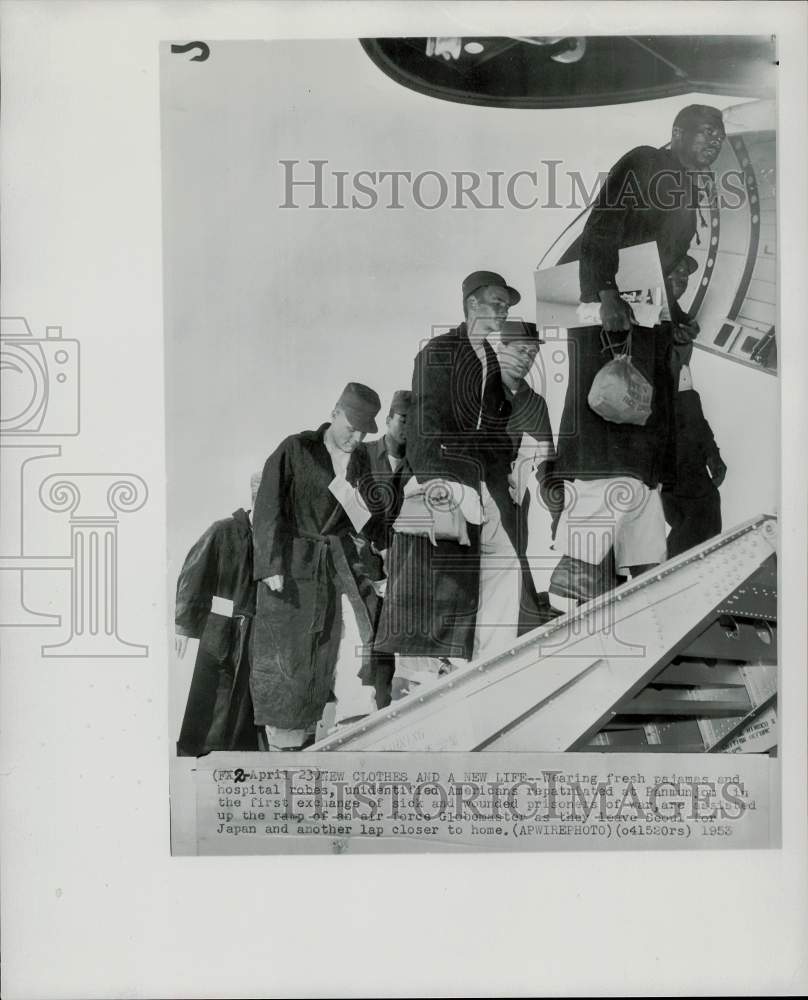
(345,802)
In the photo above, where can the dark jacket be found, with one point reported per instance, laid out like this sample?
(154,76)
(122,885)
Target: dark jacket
(648,196)
(304,534)
(448,402)
(691,501)
(387,497)
(529,416)
(388,486)
(218,713)
(695,446)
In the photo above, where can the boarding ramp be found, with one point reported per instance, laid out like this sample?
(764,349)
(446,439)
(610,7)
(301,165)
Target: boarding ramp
(682,658)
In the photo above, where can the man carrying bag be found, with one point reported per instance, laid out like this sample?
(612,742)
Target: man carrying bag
(613,518)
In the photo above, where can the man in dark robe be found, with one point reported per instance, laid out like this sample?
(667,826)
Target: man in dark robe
(216,604)
(690,498)
(388,459)
(313,529)
(453,573)
(391,470)
(692,502)
(613,520)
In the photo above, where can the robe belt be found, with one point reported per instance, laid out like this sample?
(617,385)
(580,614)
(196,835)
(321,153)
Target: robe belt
(333,544)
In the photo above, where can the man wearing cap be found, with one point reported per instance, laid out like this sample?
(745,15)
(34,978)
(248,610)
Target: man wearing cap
(216,604)
(690,496)
(312,527)
(390,470)
(388,459)
(454,575)
(650,196)
(530,460)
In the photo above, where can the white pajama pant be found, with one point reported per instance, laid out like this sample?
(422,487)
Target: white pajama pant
(500,584)
(620,512)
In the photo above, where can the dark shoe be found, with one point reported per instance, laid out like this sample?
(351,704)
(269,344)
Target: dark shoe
(580,580)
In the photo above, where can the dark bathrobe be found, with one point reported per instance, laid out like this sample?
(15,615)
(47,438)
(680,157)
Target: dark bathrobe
(303,533)
(218,714)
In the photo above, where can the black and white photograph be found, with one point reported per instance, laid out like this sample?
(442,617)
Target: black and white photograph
(403,527)
(480,472)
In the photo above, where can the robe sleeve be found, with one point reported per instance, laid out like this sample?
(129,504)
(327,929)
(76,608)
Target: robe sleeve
(551,489)
(444,445)
(542,432)
(377,498)
(272,530)
(431,387)
(196,585)
(703,433)
(530,431)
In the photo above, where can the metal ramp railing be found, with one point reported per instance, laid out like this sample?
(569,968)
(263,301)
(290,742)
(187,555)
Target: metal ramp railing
(617,664)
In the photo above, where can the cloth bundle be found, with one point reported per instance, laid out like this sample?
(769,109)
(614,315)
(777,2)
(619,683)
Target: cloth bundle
(620,393)
(439,520)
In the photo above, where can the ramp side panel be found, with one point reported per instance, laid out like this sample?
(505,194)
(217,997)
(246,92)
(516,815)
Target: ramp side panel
(559,685)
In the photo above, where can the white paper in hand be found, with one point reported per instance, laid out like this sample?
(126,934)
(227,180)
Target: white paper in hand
(521,474)
(532,453)
(468,500)
(558,289)
(350,501)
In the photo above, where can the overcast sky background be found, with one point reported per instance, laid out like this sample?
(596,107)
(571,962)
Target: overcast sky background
(270,311)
